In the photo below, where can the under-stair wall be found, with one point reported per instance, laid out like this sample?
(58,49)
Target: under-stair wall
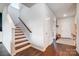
(36,18)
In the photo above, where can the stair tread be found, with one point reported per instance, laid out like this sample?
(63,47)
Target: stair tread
(22,46)
(17,45)
(19,34)
(20,41)
(21,49)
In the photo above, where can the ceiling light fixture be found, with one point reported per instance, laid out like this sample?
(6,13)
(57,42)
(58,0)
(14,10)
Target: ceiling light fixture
(65,15)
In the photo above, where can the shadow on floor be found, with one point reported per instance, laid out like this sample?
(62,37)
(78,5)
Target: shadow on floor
(3,51)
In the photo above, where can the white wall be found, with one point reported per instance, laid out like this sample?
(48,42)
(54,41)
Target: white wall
(2,6)
(35,18)
(77,18)
(32,19)
(65,27)
(49,27)
(7,30)
(14,13)
(0,36)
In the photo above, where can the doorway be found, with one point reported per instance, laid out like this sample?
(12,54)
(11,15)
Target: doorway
(66,31)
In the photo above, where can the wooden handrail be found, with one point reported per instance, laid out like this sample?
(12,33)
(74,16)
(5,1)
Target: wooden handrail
(25,25)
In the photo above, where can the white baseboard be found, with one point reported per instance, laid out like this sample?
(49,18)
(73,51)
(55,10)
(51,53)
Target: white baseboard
(66,37)
(39,48)
(77,50)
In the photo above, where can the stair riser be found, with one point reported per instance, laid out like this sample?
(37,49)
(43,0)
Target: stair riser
(18,30)
(20,38)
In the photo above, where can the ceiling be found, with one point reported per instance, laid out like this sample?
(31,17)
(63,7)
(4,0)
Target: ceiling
(29,4)
(63,9)
(2,5)
(59,9)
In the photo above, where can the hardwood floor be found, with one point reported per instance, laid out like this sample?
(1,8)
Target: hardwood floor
(66,50)
(59,50)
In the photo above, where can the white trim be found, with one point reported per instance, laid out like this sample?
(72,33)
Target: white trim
(36,47)
(77,50)
(39,48)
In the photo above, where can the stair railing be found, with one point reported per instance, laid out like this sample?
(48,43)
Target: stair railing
(25,25)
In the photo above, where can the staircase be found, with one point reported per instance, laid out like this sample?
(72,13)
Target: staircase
(21,42)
